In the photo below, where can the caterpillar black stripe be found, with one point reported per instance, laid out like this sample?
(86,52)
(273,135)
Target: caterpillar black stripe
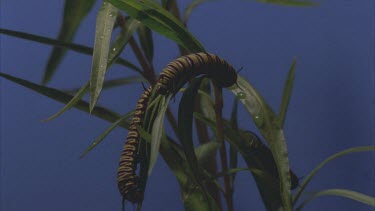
(182,69)
(127,180)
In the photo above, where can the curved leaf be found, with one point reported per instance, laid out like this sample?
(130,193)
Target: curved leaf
(360,197)
(286,95)
(77,97)
(158,19)
(121,40)
(265,119)
(206,151)
(185,122)
(106,132)
(333,157)
(104,25)
(74,12)
(65,98)
(157,132)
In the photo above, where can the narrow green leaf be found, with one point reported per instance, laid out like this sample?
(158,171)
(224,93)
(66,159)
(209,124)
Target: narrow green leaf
(233,157)
(331,158)
(290,3)
(264,118)
(360,197)
(147,43)
(65,98)
(152,15)
(206,151)
(190,8)
(77,97)
(116,83)
(71,46)
(121,40)
(258,159)
(106,132)
(185,121)
(286,95)
(103,31)
(157,132)
(74,13)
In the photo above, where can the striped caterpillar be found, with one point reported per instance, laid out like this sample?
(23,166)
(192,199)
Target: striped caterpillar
(127,180)
(182,69)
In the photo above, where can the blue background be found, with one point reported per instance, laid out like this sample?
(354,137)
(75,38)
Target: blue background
(332,106)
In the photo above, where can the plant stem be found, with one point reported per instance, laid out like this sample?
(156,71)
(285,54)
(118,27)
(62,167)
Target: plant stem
(223,153)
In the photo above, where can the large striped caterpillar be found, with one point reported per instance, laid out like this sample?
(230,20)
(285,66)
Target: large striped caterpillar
(171,79)
(127,180)
(182,69)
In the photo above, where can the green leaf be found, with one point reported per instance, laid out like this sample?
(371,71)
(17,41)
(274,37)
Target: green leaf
(286,95)
(333,157)
(116,83)
(290,2)
(74,12)
(147,43)
(190,8)
(206,151)
(122,39)
(258,159)
(65,98)
(106,132)
(103,31)
(157,132)
(71,46)
(185,122)
(158,19)
(264,118)
(233,157)
(77,97)
(360,197)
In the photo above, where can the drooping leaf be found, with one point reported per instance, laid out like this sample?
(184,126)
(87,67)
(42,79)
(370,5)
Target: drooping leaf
(331,158)
(106,132)
(259,161)
(286,95)
(360,197)
(108,84)
(65,98)
(71,46)
(299,3)
(206,151)
(77,97)
(74,12)
(147,43)
(157,132)
(265,119)
(158,19)
(122,39)
(105,21)
(233,157)
(185,122)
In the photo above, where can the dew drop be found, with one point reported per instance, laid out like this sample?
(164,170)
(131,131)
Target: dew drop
(241,95)
(258,119)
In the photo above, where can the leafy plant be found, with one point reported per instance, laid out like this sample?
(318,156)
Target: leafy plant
(194,166)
